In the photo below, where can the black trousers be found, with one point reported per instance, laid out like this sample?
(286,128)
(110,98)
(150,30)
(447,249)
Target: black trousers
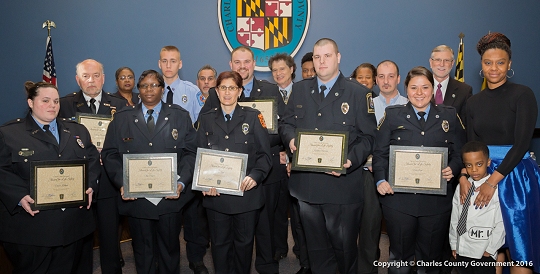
(298,230)
(232,240)
(264,231)
(195,229)
(331,234)
(417,238)
(281,220)
(108,221)
(370,227)
(51,260)
(156,242)
(475,269)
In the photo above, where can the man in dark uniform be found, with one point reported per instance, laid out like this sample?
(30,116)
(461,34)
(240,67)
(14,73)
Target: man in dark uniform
(153,127)
(243,62)
(91,99)
(330,203)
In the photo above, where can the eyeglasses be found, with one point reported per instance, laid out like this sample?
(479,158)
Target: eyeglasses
(123,77)
(151,86)
(438,60)
(231,88)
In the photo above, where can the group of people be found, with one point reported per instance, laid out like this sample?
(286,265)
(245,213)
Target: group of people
(335,218)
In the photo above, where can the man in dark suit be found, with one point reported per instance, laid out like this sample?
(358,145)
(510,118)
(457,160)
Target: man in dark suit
(153,127)
(330,203)
(243,62)
(91,99)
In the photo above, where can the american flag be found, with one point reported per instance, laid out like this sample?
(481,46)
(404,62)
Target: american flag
(49,70)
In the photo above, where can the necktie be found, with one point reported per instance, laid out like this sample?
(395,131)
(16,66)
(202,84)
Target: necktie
(284,95)
(321,94)
(169,95)
(49,133)
(422,119)
(227,117)
(93,105)
(150,121)
(438,95)
(462,222)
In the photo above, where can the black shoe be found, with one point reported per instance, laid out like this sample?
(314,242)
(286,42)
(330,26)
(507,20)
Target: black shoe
(122,262)
(198,267)
(304,270)
(278,256)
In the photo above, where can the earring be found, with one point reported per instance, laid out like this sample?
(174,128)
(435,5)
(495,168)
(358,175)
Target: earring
(510,75)
(481,74)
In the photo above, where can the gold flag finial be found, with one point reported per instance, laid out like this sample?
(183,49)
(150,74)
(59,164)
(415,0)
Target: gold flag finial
(461,35)
(49,24)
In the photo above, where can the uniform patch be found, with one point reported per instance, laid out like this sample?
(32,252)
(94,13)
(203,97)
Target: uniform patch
(175,134)
(184,99)
(80,143)
(245,128)
(345,107)
(445,125)
(261,119)
(370,104)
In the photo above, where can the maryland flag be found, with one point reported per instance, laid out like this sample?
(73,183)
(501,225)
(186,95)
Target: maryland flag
(459,64)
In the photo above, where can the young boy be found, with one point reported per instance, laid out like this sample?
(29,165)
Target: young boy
(478,239)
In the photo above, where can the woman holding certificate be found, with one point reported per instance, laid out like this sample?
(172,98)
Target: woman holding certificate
(417,224)
(47,240)
(232,219)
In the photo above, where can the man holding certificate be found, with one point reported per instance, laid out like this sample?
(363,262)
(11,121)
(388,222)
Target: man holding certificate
(330,201)
(417,222)
(155,128)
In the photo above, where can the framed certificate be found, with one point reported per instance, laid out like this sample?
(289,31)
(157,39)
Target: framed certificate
(321,151)
(219,169)
(268,108)
(58,184)
(150,175)
(96,124)
(418,169)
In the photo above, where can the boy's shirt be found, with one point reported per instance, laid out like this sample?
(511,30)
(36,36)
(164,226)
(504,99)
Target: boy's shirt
(485,228)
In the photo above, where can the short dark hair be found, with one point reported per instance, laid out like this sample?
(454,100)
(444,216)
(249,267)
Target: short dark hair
(230,75)
(368,66)
(475,146)
(285,57)
(154,73)
(308,57)
(207,67)
(419,71)
(118,71)
(494,40)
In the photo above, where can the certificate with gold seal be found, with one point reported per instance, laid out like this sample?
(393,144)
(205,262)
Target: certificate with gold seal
(150,175)
(96,124)
(268,108)
(58,184)
(222,170)
(321,151)
(418,169)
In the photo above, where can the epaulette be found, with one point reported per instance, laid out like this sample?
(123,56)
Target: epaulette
(68,120)
(177,107)
(14,121)
(70,94)
(190,84)
(395,106)
(262,81)
(249,109)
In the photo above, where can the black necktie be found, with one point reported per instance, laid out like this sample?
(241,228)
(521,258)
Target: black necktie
(422,119)
(169,95)
(462,221)
(321,94)
(93,105)
(49,133)
(284,95)
(227,117)
(150,121)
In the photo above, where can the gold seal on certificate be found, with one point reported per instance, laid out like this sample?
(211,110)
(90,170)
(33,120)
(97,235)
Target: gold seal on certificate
(96,124)
(219,169)
(268,108)
(321,151)
(418,169)
(150,175)
(58,184)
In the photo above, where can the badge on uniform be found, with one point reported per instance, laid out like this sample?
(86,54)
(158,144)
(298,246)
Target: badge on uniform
(25,152)
(174,133)
(370,104)
(113,110)
(245,128)
(445,125)
(184,99)
(345,107)
(80,143)
(261,119)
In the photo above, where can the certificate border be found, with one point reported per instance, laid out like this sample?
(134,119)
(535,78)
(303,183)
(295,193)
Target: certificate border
(442,151)
(195,185)
(344,149)
(150,156)
(35,165)
(98,117)
(274,129)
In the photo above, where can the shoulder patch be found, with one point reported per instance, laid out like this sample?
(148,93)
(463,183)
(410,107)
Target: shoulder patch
(261,119)
(370,104)
(382,121)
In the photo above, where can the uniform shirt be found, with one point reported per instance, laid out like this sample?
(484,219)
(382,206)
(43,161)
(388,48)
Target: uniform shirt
(328,85)
(186,95)
(53,128)
(97,98)
(380,104)
(248,87)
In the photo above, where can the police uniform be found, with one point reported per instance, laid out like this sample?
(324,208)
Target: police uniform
(424,218)
(232,219)
(265,249)
(30,241)
(330,205)
(106,208)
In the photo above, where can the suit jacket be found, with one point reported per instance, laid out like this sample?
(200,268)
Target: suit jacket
(243,134)
(260,89)
(109,105)
(345,108)
(401,127)
(457,94)
(22,141)
(128,134)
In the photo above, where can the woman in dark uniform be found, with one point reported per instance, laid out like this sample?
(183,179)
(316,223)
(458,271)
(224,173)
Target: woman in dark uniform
(232,219)
(417,224)
(504,117)
(125,81)
(47,240)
